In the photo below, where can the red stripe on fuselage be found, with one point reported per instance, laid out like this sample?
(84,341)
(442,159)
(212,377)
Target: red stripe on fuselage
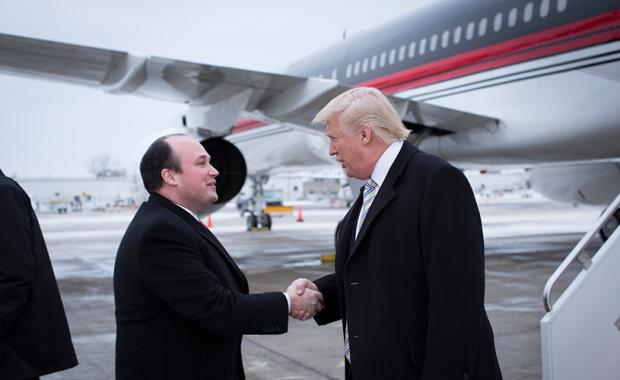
(555,40)
(502,54)
(505,61)
(245,124)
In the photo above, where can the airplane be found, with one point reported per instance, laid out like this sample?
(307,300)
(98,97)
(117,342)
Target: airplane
(512,83)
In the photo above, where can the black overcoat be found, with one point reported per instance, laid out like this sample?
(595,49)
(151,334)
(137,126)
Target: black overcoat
(34,335)
(182,304)
(412,284)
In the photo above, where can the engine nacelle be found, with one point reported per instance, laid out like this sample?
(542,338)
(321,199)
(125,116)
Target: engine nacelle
(229,161)
(596,183)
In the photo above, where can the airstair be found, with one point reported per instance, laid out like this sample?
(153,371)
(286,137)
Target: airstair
(580,333)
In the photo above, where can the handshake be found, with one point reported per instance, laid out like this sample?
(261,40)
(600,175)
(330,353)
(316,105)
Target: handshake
(306,300)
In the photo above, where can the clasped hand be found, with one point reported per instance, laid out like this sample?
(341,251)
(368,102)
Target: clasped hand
(306,300)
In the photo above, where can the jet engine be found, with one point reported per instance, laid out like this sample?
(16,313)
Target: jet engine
(229,161)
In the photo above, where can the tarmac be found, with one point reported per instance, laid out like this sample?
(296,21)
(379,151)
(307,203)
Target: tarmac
(525,239)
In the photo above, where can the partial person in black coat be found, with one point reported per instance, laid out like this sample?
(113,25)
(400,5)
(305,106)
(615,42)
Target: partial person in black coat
(409,271)
(34,335)
(182,304)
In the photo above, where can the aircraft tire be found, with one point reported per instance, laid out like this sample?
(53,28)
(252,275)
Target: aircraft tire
(251,222)
(265,220)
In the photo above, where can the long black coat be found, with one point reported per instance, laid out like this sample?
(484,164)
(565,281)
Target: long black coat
(412,284)
(182,304)
(34,335)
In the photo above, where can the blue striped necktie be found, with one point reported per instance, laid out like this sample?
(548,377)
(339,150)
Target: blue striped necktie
(370,191)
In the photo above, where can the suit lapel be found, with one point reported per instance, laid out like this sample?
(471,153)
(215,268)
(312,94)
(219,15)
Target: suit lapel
(207,235)
(383,198)
(230,263)
(347,232)
(386,193)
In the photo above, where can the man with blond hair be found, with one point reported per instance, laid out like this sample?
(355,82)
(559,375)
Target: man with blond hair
(409,272)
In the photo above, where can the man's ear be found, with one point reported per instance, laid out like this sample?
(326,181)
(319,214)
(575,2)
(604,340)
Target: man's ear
(168,176)
(366,134)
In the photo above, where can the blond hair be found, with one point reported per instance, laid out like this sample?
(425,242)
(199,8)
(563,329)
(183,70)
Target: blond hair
(365,106)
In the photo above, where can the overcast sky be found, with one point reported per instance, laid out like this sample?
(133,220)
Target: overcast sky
(53,129)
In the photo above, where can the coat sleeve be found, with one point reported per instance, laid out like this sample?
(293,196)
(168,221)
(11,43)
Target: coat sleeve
(16,259)
(329,289)
(453,255)
(173,269)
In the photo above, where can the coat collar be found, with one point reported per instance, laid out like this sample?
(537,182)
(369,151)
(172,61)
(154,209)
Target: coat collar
(164,202)
(385,195)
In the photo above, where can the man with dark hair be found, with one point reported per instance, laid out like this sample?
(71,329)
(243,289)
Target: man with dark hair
(34,335)
(182,304)
(157,157)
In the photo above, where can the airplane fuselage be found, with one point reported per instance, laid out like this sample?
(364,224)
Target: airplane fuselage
(548,70)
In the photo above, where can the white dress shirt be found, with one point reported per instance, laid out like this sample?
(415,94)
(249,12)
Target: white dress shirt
(382,167)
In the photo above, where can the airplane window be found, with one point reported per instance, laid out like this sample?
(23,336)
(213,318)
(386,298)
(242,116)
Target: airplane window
(349,68)
(401,53)
(512,17)
(527,12)
(335,74)
(445,38)
(373,62)
(356,68)
(382,60)
(497,23)
(544,8)
(482,27)
(365,65)
(412,50)
(457,35)
(433,42)
(422,48)
(392,56)
(470,30)
(561,5)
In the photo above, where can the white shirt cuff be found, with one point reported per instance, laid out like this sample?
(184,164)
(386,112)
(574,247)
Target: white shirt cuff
(288,301)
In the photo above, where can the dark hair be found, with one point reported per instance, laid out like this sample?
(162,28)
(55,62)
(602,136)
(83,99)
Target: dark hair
(158,156)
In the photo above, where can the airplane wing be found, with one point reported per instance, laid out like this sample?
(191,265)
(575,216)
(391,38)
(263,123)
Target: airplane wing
(217,96)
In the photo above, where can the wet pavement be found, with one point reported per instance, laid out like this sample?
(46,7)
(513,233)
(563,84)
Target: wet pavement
(525,239)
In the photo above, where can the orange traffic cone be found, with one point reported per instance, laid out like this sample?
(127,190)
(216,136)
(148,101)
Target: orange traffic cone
(300,214)
(209,222)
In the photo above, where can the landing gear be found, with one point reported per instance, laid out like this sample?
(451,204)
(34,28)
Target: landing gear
(256,216)
(260,221)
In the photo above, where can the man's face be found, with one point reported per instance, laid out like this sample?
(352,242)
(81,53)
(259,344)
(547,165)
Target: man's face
(196,181)
(346,146)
